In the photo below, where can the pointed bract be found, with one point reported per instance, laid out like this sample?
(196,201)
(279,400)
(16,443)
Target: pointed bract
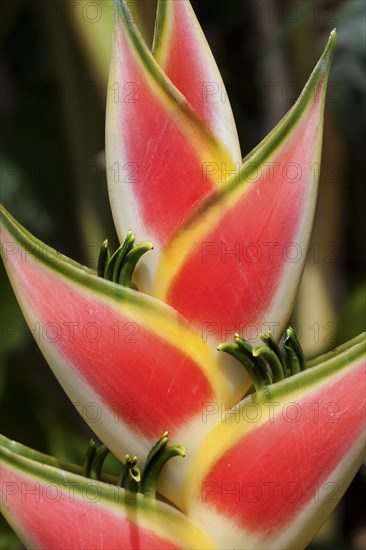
(182,51)
(50,508)
(277,464)
(156,145)
(236,264)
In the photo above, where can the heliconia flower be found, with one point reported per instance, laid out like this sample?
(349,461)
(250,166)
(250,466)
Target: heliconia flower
(278,463)
(53,508)
(136,352)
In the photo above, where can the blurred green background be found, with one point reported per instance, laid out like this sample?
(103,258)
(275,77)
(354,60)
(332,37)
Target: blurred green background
(53,71)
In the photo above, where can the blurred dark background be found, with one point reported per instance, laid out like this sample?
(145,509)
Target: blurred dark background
(53,83)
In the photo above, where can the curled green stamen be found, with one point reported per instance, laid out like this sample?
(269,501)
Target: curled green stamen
(132,474)
(103,259)
(129,264)
(96,466)
(270,342)
(120,266)
(123,251)
(254,366)
(266,364)
(294,351)
(90,455)
(94,460)
(115,263)
(272,360)
(132,478)
(155,460)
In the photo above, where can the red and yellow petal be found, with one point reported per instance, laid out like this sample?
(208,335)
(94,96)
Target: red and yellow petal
(131,365)
(50,508)
(236,264)
(277,464)
(183,53)
(156,144)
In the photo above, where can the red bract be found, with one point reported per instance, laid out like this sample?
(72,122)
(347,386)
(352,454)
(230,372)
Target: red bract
(57,509)
(279,462)
(224,232)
